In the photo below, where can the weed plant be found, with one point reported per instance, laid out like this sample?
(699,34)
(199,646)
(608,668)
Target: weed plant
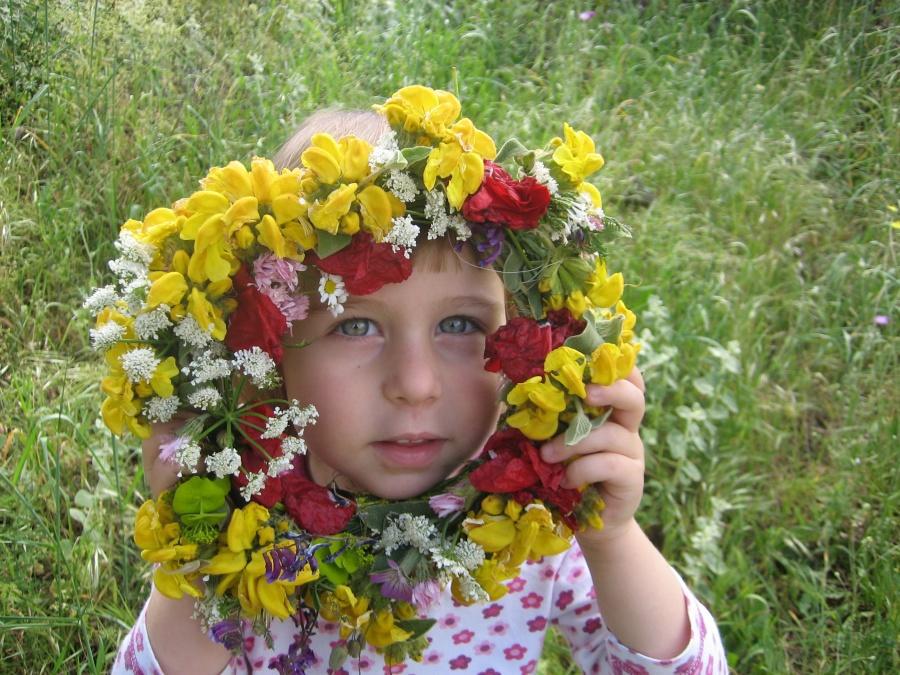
(751,145)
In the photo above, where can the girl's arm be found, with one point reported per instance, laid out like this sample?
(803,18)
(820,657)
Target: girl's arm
(639,596)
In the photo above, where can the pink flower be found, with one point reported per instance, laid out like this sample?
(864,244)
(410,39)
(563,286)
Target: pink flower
(492,610)
(592,625)
(516,652)
(463,636)
(882,320)
(276,278)
(565,599)
(588,15)
(169,446)
(446,504)
(461,662)
(532,600)
(516,585)
(538,623)
(426,593)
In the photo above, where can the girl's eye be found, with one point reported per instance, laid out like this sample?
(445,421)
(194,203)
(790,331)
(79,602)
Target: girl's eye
(355,328)
(458,325)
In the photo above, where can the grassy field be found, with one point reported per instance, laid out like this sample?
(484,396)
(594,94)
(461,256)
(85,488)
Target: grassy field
(752,147)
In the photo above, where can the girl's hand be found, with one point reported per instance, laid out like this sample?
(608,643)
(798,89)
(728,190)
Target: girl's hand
(160,473)
(611,455)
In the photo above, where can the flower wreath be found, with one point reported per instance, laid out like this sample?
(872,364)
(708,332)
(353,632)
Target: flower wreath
(206,292)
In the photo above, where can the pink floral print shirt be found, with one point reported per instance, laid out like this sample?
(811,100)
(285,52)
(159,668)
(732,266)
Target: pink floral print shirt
(499,638)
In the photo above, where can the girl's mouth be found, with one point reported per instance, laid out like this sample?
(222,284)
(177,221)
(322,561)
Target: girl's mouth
(410,451)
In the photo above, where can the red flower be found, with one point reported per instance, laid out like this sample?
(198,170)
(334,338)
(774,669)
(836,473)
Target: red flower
(517,464)
(254,462)
(517,204)
(518,348)
(364,265)
(315,508)
(257,321)
(564,325)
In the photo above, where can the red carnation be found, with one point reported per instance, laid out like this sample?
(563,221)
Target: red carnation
(315,508)
(364,265)
(517,204)
(518,348)
(564,325)
(257,321)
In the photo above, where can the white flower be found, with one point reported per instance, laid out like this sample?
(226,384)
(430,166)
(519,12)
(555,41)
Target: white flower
(542,175)
(139,364)
(134,293)
(132,249)
(408,530)
(226,462)
(292,445)
(471,589)
(107,335)
(257,365)
(333,293)
(256,483)
(187,457)
(161,408)
(403,235)
(469,554)
(190,332)
(100,299)
(205,398)
(207,368)
(127,269)
(441,220)
(385,150)
(275,426)
(149,324)
(279,465)
(302,417)
(402,186)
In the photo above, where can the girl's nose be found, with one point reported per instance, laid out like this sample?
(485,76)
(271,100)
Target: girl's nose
(412,374)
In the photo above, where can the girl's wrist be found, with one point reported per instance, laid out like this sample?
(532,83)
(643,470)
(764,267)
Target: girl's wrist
(608,541)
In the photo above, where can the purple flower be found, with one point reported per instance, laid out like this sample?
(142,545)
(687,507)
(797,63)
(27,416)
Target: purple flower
(284,563)
(228,633)
(394,583)
(170,445)
(426,594)
(446,504)
(882,320)
(489,245)
(588,15)
(298,658)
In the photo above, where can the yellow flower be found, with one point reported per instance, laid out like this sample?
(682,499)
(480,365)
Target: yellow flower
(157,226)
(272,237)
(255,592)
(495,534)
(157,534)
(376,211)
(491,575)
(576,303)
(566,366)
(628,324)
(604,291)
(465,170)
(174,584)
(244,525)
(167,289)
(539,404)
(233,181)
(381,631)
(610,362)
(326,216)
(268,185)
(206,314)
(576,156)
(161,382)
(419,110)
(333,161)
(592,192)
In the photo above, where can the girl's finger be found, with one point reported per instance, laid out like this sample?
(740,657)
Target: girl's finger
(609,437)
(605,467)
(625,397)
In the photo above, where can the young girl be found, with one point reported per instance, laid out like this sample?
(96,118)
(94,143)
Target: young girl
(408,361)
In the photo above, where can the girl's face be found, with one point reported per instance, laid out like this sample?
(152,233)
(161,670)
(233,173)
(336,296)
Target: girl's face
(399,380)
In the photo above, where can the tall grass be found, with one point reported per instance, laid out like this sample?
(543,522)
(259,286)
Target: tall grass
(752,146)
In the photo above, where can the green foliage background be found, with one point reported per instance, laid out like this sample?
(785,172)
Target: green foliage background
(751,145)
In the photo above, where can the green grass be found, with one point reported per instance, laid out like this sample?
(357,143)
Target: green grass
(752,147)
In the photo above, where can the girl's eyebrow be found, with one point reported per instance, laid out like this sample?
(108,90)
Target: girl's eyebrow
(478,301)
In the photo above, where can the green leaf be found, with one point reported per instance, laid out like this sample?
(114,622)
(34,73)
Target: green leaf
(201,500)
(596,332)
(509,150)
(373,515)
(415,154)
(418,627)
(579,427)
(512,268)
(330,243)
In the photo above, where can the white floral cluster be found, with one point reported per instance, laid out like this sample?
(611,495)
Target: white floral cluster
(542,175)
(385,151)
(207,368)
(402,235)
(294,414)
(402,186)
(442,221)
(409,530)
(258,366)
(466,556)
(161,408)
(131,267)
(150,324)
(187,456)
(226,462)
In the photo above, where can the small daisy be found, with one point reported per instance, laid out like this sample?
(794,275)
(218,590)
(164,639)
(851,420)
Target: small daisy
(333,293)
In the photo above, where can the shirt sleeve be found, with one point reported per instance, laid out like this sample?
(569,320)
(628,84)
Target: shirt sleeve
(597,650)
(136,657)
